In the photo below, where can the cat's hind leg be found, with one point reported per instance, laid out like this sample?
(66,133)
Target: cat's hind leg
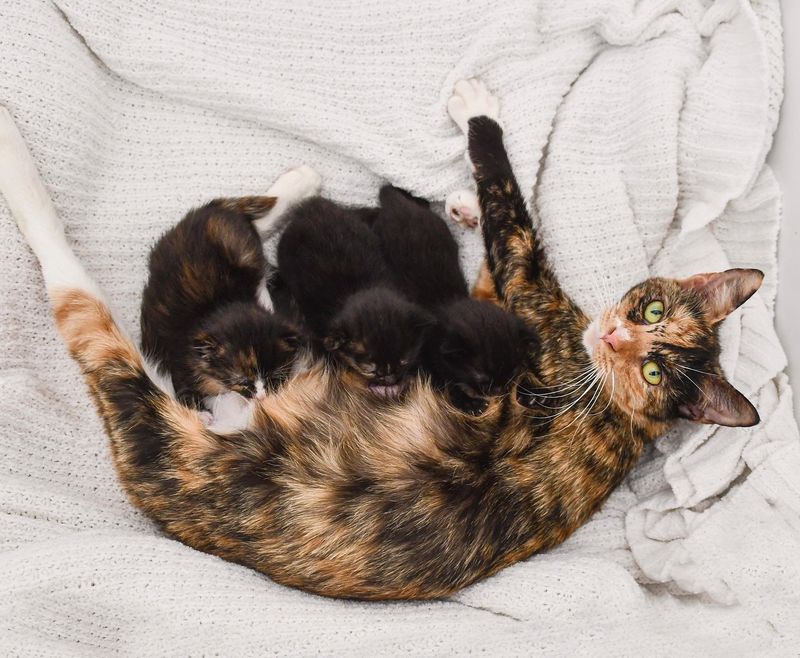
(161,448)
(35,214)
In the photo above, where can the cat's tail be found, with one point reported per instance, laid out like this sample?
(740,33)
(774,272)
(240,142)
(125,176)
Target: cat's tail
(152,434)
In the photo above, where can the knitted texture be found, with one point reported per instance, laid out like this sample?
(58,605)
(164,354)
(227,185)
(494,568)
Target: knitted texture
(645,126)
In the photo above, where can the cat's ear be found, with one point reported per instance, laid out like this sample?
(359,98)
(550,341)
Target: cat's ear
(720,403)
(723,292)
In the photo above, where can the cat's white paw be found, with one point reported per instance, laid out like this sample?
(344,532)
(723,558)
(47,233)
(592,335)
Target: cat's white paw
(22,186)
(296,184)
(472,99)
(206,417)
(463,208)
(5,122)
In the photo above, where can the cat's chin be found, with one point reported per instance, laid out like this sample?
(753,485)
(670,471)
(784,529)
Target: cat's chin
(386,391)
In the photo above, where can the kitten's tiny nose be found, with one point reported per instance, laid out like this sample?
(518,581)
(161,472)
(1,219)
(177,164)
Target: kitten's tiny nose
(612,338)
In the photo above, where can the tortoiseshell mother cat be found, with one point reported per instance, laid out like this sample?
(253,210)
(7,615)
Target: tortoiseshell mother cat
(335,493)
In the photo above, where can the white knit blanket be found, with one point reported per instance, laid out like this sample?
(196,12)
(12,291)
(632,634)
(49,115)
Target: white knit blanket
(646,124)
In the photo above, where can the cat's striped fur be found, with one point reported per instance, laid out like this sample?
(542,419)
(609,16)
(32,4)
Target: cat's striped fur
(334,491)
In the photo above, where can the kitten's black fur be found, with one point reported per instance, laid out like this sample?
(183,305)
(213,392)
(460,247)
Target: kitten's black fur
(331,265)
(479,348)
(200,320)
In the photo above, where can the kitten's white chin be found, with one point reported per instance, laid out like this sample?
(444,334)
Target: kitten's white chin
(591,337)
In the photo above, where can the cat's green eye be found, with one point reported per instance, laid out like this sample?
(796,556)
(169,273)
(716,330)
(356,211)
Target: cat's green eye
(654,312)
(652,373)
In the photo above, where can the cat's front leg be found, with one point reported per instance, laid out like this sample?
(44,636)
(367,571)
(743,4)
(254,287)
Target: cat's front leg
(516,262)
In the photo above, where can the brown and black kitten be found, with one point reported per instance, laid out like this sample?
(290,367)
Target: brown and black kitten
(339,494)
(477,348)
(331,265)
(201,319)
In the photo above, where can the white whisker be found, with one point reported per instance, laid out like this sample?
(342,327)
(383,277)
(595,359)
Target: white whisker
(591,386)
(690,380)
(610,397)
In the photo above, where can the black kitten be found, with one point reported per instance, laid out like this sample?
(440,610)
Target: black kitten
(479,348)
(201,321)
(331,265)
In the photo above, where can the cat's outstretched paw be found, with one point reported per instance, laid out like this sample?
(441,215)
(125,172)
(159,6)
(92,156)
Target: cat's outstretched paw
(472,99)
(463,208)
(296,184)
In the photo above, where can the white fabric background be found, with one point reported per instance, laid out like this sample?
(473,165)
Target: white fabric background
(652,119)
(784,158)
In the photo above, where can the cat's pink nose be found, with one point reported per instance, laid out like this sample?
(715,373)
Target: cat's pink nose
(612,338)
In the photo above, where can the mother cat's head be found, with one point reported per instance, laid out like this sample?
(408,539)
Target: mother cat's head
(660,343)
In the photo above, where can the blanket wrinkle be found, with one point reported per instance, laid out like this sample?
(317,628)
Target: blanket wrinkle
(640,126)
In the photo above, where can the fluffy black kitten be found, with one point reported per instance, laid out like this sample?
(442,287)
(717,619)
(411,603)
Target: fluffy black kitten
(478,348)
(331,265)
(200,318)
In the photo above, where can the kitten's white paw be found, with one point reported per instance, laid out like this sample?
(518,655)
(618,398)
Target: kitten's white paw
(296,184)
(463,208)
(472,99)
(290,189)
(206,417)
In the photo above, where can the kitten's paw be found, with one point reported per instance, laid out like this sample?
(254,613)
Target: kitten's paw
(290,189)
(463,208)
(296,184)
(472,99)
(206,417)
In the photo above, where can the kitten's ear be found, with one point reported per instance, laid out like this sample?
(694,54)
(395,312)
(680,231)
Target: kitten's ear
(452,346)
(389,194)
(291,337)
(205,345)
(427,322)
(528,336)
(720,403)
(725,291)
